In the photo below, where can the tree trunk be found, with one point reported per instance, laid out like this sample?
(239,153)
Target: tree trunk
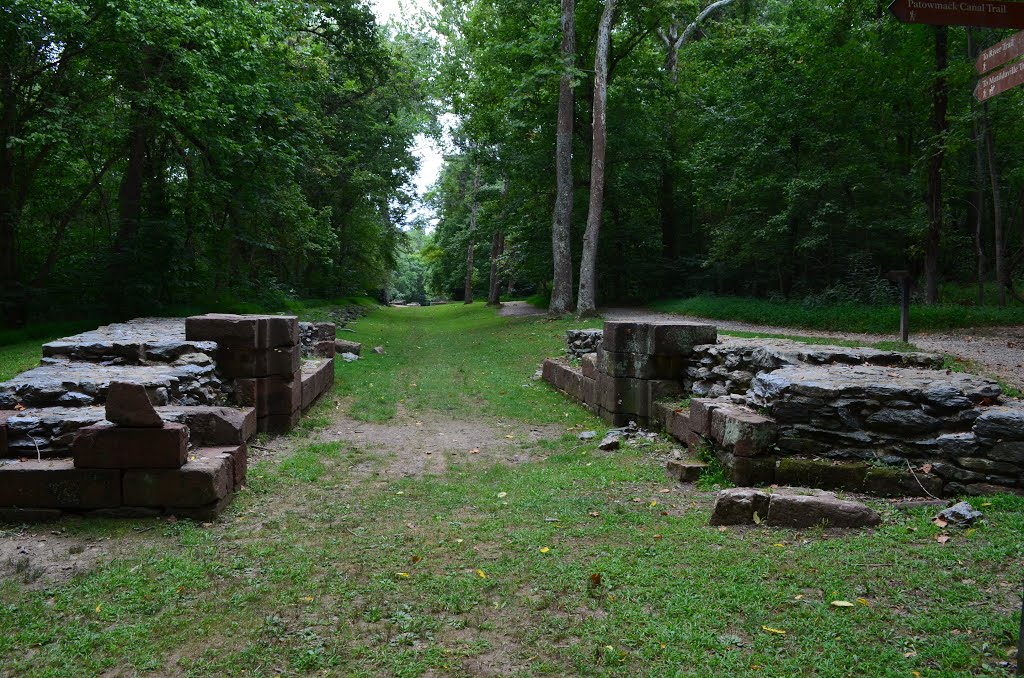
(978,194)
(586,302)
(561,244)
(933,198)
(998,238)
(497,249)
(473,208)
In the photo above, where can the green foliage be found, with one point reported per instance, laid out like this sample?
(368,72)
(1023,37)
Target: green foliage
(839,317)
(168,152)
(785,158)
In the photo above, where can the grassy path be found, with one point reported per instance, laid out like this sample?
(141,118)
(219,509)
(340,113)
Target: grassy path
(528,553)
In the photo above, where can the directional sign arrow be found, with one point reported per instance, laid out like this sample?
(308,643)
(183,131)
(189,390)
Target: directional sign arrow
(1001,52)
(1000,81)
(986,13)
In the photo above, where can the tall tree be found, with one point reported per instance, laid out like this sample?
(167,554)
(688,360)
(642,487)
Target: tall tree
(587,301)
(561,232)
(933,196)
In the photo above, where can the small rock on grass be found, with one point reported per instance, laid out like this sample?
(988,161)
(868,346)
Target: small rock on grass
(962,514)
(610,442)
(349,357)
(379,350)
(587,435)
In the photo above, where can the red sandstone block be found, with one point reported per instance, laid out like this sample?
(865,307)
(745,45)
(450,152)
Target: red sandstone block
(242,331)
(202,481)
(280,331)
(548,371)
(325,331)
(239,456)
(588,389)
(278,423)
(589,364)
(624,337)
(278,395)
(260,362)
(700,415)
(679,425)
(324,349)
(108,446)
(57,483)
(742,431)
(246,391)
(221,425)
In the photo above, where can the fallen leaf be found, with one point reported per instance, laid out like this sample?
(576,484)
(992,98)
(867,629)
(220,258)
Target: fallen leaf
(654,503)
(480,573)
(940,522)
(757,518)
(475,450)
(544,549)
(594,514)
(926,469)
(664,490)
(502,495)
(909,654)
(459,541)
(779,545)
(942,538)
(722,528)
(99,606)
(841,603)
(771,630)
(595,580)
(864,601)
(986,503)
(657,536)
(798,596)
(309,599)
(404,575)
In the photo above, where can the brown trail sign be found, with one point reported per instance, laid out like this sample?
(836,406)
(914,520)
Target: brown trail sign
(999,53)
(1000,81)
(985,13)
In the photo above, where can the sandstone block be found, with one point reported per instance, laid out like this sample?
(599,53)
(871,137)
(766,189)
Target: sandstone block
(751,471)
(58,484)
(679,424)
(278,395)
(119,447)
(588,389)
(246,391)
(623,395)
(700,415)
(240,331)
(280,331)
(129,405)
(278,423)
(984,489)
(801,511)
(260,362)
(324,349)
(238,455)
(640,365)
(345,346)
(624,337)
(894,482)
(203,480)
(589,365)
(685,471)
(678,339)
(742,431)
(823,474)
(737,505)
(212,425)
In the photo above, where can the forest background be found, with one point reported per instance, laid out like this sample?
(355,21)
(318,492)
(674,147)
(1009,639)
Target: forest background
(162,153)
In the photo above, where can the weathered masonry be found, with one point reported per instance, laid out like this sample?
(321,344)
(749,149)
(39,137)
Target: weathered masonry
(154,415)
(781,412)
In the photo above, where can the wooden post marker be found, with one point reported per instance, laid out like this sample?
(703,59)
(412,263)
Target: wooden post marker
(906,282)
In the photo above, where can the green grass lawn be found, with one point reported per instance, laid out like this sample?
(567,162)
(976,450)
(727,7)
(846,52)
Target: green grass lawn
(573,563)
(842,317)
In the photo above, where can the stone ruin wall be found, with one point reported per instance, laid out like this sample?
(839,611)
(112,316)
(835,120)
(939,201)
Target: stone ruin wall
(781,412)
(219,378)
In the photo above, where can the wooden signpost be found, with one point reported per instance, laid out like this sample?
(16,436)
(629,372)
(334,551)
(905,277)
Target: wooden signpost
(984,13)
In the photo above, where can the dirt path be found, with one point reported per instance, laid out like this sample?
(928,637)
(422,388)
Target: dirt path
(998,351)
